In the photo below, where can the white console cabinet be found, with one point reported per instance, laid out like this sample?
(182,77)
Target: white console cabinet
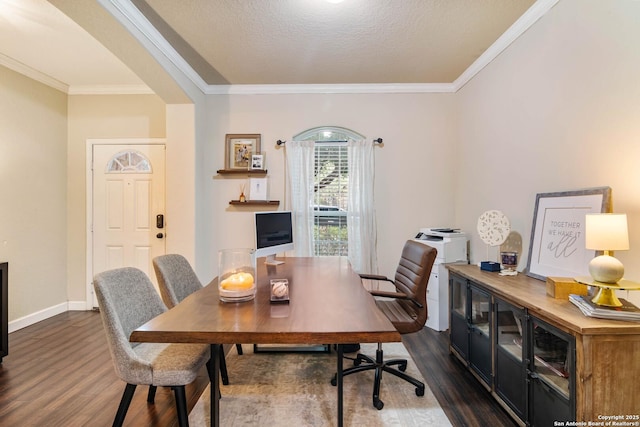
(452,248)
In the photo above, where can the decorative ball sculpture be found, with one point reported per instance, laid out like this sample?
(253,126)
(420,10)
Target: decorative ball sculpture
(493,227)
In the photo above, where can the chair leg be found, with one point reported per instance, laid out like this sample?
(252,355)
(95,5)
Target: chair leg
(419,384)
(124,405)
(181,406)
(151,397)
(223,368)
(239,349)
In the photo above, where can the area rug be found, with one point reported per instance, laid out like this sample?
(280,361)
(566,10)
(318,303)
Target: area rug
(294,389)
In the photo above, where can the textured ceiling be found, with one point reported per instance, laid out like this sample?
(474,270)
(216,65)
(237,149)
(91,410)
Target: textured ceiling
(317,42)
(78,46)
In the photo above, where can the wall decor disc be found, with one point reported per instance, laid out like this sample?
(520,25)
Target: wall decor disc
(493,227)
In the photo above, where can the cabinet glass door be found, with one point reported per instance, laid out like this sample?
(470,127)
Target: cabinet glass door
(458,296)
(510,365)
(459,327)
(480,311)
(509,338)
(551,357)
(480,333)
(553,361)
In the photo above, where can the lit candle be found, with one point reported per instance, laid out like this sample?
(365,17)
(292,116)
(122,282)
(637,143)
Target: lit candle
(237,281)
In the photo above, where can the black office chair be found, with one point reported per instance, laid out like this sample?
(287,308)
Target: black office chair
(407,310)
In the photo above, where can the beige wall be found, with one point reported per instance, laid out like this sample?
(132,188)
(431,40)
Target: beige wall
(559,110)
(414,181)
(33,165)
(181,177)
(97,117)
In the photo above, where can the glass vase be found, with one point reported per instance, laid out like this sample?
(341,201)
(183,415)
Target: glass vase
(236,275)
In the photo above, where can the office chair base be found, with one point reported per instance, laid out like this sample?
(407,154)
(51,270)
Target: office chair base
(380,365)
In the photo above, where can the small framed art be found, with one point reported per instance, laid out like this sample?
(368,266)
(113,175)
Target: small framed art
(239,149)
(258,189)
(257,162)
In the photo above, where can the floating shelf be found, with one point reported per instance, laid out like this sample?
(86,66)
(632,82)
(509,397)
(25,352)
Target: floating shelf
(237,172)
(255,203)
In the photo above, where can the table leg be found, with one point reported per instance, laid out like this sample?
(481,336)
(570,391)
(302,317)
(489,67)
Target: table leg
(339,381)
(214,412)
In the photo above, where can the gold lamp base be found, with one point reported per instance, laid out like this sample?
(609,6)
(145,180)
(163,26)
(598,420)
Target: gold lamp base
(607,297)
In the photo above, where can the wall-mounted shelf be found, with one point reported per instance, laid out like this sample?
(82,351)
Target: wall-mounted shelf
(240,172)
(255,203)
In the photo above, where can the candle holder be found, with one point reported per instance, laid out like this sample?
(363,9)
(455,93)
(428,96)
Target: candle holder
(236,275)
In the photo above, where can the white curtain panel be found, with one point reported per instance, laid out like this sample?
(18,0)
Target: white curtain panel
(300,159)
(361,216)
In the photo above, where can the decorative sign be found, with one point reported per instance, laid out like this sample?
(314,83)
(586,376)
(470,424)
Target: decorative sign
(557,246)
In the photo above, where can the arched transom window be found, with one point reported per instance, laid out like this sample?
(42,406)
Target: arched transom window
(328,133)
(130,161)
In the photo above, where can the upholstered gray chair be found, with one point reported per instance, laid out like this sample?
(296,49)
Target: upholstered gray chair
(127,300)
(406,308)
(177,280)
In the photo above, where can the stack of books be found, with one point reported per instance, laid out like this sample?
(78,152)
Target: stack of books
(628,311)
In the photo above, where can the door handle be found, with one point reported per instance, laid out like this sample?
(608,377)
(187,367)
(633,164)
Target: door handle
(159,235)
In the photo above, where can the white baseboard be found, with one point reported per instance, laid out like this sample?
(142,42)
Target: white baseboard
(77,305)
(38,316)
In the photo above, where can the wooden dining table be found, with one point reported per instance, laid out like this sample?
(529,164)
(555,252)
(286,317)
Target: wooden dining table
(327,305)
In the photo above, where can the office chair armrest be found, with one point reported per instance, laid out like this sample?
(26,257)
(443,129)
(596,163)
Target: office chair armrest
(389,294)
(375,277)
(396,295)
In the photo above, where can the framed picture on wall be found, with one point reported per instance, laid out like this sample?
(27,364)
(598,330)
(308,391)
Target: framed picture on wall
(239,148)
(257,162)
(557,245)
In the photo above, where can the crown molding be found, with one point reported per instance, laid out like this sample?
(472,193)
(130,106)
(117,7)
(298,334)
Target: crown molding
(46,79)
(535,12)
(110,90)
(27,71)
(329,88)
(144,27)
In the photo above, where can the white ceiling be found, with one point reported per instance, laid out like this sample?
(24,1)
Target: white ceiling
(38,40)
(274,42)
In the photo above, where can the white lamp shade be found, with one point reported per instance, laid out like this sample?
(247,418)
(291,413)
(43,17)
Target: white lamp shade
(606,232)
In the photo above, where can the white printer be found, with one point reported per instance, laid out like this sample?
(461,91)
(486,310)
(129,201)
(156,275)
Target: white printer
(451,245)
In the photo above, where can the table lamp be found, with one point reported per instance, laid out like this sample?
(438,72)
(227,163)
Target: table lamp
(606,232)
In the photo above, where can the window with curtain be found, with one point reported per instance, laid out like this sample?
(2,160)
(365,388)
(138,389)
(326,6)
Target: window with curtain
(331,199)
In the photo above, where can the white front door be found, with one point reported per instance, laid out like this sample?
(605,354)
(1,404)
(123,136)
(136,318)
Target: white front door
(128,206)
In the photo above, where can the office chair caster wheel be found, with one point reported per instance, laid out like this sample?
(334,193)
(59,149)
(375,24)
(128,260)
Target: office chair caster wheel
(419,391)
(402,367)
(334,380)
(378,404)
(357,362)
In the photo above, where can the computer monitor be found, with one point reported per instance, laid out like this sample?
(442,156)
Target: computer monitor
(274,234)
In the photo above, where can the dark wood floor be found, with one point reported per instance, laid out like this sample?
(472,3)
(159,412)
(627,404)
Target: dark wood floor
(59,373)
(460,395)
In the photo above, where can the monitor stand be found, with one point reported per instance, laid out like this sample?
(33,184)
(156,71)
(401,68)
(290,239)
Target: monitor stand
(271,260)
